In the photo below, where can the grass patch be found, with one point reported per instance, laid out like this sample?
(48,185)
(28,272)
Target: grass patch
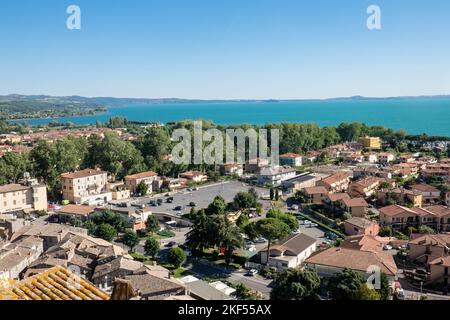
(140,257)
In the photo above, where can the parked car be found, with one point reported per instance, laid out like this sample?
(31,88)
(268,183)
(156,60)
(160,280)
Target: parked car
(252,272)
(171,244)
(294,207)
(178,208)
(313,225)
(261,240)
(159,201)
(387,247)
(192,204)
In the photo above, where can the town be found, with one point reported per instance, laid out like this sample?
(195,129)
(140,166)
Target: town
(104,206)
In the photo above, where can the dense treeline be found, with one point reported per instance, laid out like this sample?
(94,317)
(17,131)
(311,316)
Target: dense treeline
(153,145)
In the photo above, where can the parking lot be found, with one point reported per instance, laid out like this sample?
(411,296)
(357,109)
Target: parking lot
(201,197)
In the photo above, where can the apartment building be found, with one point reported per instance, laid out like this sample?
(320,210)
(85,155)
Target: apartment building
(18,197)
(275,176)
(195,176)
(86,187)
(400,218)
(371,142)
(337,182)
(430,194)
(316,195)
(401,196)
(364,187)
(150,178)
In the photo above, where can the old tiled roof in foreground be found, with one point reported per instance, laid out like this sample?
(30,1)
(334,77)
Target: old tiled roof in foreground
(54,284)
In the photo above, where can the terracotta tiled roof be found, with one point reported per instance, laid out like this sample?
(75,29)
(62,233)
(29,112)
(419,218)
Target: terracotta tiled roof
(12,188)
(141,175)
(82,174)
(354,259)
(355,202)
(77,210)
(316,190)
(338,196)
(336,178)
(55,284)
(424,188)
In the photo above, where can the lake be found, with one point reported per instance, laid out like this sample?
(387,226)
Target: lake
(415,116)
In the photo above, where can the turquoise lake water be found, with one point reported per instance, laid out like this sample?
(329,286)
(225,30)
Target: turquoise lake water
(415,116)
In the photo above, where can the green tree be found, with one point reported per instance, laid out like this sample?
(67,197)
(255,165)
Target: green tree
(426,230)
(44,160)
(366,293)
(200,236)
(151,247)
(251,230)
(272,229)
(345,285)
(386,231)
(131,239)
(218,206)
(176,257)
(142,188)
(288,219)
(106,232)
(244,200)
(384,291)
(294,284)
(152,224)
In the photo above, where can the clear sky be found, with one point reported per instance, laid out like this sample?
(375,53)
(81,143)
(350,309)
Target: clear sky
(229,49)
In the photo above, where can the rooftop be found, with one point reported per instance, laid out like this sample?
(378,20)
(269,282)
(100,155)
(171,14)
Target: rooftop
(58,283)
(141,175)
(82,174)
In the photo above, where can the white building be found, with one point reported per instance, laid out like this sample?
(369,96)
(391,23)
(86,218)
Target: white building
(275,176)
(291,252)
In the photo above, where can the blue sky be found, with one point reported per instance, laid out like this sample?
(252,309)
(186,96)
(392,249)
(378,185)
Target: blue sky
(229,49)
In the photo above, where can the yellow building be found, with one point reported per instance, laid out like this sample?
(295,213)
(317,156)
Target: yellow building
(18,197)
(371,142)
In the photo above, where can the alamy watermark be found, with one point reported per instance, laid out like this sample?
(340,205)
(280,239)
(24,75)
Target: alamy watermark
(73,22)
(374,19)
(213,148)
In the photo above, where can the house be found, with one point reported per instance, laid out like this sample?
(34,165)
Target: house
(430,194)
(51,233)
(54,284)
(363,242)
(425,248)
(73,211)
(315,195)
(301,181)
(255,165)
(85,187)
(447,198)
(151,287)
(195,176)
(364,187)
(290,252)
(291,159)
(401,196)
(371,157)
(171,183)
(357,207)
(332,201)
(399,217)
(337,182)
(105,273)
(386,157)
(20,197)
(274,176)
(150,178)
(361,226)
(334,260)
(232,169)
(439,270)
(371,142)
(119,190)
(15,257)
(202,290)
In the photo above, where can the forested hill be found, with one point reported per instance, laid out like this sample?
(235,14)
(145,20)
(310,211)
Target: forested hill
(24,107)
